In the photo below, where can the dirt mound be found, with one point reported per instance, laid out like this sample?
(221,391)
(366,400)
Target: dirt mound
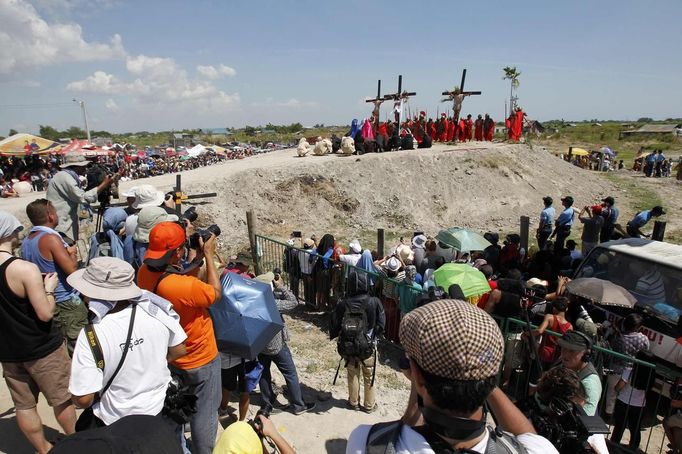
(485,187)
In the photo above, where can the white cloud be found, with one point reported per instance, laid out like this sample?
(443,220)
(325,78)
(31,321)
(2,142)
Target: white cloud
(211,72)
(158,82)
(27,40)
(111,104)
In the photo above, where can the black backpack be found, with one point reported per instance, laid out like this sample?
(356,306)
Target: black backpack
(383,438)
(353,342)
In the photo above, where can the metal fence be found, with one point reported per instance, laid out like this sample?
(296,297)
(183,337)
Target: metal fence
(321,282)
(322,285)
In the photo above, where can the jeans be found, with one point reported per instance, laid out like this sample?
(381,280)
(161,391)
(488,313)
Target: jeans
(285,363)
(205,421)
(354,370)
(630,416)
(543,236)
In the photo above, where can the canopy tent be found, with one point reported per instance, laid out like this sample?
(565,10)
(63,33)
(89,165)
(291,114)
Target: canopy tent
(15,145)
(80,146)
(220,151)
(197,150)
(575,151)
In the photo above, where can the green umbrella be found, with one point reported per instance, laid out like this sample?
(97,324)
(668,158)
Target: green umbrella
(462,239)
(470,280)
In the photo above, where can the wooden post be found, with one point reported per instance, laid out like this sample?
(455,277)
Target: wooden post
(178,194)
(251,226)
(659,231)
(380,243)
(523,232)
(570,152)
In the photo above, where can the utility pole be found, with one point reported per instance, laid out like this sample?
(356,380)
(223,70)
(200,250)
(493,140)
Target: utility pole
(85,117)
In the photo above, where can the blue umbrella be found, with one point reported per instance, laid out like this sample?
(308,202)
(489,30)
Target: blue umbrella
(245,318)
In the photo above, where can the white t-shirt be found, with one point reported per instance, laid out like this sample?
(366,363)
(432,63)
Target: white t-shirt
(629,395)
(411,441)
(131,224)
(139,388)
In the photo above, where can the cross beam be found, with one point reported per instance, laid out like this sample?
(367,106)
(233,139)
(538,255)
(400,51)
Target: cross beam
(377,103)
(398,98)
(459,95)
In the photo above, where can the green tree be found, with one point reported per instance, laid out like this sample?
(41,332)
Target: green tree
(249,130)
(48,132)
(512,74)
(74,132)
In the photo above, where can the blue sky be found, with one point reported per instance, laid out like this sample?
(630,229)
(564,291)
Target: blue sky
(156,65)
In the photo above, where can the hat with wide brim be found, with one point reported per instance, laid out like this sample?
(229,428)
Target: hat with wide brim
(74,160)
(147,195)
(106,278)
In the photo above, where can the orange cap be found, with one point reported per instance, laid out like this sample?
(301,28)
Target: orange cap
(164,237)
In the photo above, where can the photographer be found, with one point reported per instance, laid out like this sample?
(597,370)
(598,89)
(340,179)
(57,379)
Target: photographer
(249,438)
(162,274)
(454,350)
(555,411)
(65,193)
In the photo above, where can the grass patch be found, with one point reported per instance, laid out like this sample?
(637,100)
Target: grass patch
(639,196)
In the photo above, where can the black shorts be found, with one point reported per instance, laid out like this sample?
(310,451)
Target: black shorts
(234,378)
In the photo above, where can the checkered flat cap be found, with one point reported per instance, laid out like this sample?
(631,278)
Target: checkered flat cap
(453,339)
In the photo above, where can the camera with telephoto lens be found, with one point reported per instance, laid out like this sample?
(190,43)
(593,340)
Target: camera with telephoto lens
(191,214)
(204,234)
(95,176)
(565,425)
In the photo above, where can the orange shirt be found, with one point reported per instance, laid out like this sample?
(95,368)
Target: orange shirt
(190,298)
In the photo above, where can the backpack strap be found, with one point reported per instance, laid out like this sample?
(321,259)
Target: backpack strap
(502,443)
(94,344)
(383,437)
(163,276)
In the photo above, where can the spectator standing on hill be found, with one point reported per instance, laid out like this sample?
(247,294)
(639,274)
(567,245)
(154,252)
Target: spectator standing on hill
(546,222)
(45,247)
(641,219)
(564,222)
(610,214)
(592,226)
(32,351)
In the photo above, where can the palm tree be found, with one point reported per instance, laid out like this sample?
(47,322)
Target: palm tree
(511,74)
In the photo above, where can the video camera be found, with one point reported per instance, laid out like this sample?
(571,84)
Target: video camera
(565,425)
(256,424)
(191,215)
(95,176)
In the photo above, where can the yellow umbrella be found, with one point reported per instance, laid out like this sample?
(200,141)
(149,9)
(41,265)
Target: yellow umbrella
(577,151)
(16,145)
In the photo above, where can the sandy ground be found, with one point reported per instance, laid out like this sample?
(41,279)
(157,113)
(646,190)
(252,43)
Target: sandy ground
(483,186)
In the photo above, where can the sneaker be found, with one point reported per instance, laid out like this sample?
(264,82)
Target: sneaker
(307,408)
(370,410)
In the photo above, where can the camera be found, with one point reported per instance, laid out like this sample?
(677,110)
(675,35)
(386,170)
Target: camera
(204,234)
(256,424)
(191,215)
(95,176)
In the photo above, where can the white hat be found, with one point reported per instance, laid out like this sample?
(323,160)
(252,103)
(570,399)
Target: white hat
(392,264)
(419,241)
(74,160)
(536,281)
(147,195)
(405,252)
(130,192)
(355,247)
(9,225)
(147,219)
(106,278)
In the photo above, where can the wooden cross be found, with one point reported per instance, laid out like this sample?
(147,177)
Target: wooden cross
(377,103)
(398,98)
(457,96)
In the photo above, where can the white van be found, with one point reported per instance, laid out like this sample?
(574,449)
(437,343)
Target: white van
(652,272)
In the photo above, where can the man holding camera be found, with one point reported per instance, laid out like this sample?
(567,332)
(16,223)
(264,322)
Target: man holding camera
(576,348)
(65,193)
(161,274)
(454,350)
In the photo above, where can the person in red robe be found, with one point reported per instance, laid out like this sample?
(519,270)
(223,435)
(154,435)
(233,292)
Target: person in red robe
(509,124)
(431,129)
(469,128)
(488,128)
(444,131)
(451,130)
(478,135)
(462,130)
(517,128)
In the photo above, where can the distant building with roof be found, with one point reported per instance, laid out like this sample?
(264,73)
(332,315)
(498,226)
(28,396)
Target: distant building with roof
(654,129)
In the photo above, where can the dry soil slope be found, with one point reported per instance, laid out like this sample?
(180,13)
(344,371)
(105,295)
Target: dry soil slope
(482,187)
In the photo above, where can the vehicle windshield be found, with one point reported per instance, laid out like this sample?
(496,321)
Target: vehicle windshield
(656,286)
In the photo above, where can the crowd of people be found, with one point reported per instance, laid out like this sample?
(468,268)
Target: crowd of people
(120,333)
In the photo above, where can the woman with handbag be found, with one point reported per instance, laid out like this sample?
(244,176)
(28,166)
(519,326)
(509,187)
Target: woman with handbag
(120,364)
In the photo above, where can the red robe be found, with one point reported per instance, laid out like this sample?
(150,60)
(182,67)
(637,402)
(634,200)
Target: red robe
(479,130)
(462,130)
(451,130)
(509,124)
(490,132)
(517,127)
(432,131)
(470,129)
(444,133)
